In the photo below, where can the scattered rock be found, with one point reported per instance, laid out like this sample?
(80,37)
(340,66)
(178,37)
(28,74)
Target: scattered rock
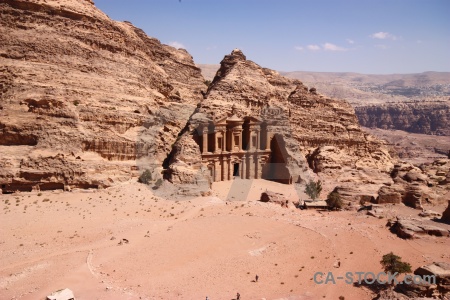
(64,294)
(123,241)
(269,196)
(337,264)
(429,214)
(377,213)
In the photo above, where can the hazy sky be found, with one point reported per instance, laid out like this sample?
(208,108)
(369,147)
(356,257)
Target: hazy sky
(366,36)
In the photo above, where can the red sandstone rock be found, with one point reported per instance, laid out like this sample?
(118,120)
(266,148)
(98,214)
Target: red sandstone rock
(75,84)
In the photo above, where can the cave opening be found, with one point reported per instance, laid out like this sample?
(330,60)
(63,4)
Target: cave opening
(276,168)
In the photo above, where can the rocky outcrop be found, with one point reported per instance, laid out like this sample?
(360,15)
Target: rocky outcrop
(414,228)
(86,101)
(318,134)
(441,272)
(421,117)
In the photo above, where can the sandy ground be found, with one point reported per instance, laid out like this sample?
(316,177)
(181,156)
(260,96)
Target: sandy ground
(190,249)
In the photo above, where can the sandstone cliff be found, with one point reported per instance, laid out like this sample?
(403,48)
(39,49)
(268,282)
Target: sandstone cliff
(421,117)
(83,99)
(319,134)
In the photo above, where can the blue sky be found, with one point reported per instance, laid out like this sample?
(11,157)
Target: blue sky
(365,36)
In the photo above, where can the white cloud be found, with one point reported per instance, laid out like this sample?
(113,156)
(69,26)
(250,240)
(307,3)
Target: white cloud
(313,47)
(333,47)
(350,41)
(299,48)
(177,45)
(383,36)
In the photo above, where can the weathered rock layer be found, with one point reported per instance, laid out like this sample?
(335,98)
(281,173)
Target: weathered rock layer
(84,98)
(422,117)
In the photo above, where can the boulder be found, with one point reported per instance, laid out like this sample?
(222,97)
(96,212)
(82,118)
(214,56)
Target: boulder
(389,194)
(64,294)
(377,213)
(269,196)
(415,175)
(354,194)
(413,196)
(438,269)
(413,228)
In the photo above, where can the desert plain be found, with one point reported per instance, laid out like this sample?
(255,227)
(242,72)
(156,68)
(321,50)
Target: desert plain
(124,242)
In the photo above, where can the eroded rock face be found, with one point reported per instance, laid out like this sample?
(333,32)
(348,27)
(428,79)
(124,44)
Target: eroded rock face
(427,118)
(318,134)
(100,97)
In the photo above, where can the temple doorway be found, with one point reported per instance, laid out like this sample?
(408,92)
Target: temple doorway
(236,170)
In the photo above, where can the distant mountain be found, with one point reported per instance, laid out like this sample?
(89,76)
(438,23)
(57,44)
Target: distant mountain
(208,71)
(362,89)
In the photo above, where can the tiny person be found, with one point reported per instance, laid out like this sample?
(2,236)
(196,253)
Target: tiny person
(256,278)
(238,296)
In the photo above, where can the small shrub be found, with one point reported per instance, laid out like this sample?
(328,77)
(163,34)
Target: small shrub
(145,177)
(313,189)
(76,102)
(40,194)
(393,264)
(334,201)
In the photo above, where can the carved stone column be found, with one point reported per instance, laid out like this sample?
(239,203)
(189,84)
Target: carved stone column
(232,141)
(205,139)
(230,172)
(244,167)
(218,171)
(224,140)
(250,142)
(216,139)
(224,168)
(258,143)
(240,140)
(268,140)
(257,167)
(251,167)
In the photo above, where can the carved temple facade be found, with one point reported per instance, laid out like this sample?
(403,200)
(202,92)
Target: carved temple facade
(235,147)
